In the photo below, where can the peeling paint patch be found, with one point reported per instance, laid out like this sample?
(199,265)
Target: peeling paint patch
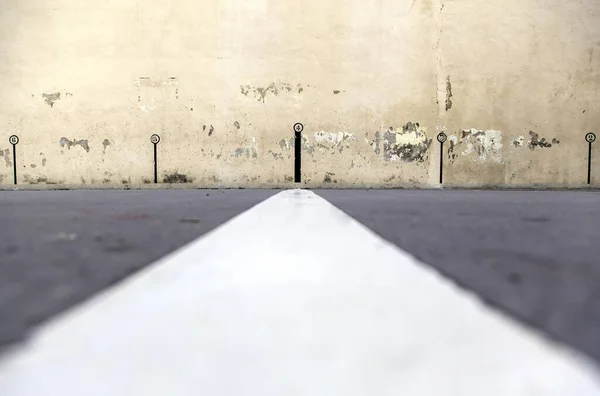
(51,98)
(7,157)
(535,141)
(336,141)
(284,144)
(66,142)
(249,149)
(486,145)
(306,146)
(150,83)
(176,178)
(275,88)
(410,145)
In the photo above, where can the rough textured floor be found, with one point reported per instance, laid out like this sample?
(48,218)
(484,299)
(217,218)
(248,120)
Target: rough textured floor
(536,255)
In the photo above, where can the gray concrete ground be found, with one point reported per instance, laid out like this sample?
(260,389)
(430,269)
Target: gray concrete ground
(60,247)
(536,255)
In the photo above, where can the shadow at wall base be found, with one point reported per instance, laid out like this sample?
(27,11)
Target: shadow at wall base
(288,186)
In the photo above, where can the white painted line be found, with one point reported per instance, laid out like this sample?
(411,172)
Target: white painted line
(292,297)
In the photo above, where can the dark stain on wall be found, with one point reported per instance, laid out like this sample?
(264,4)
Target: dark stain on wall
(535,141)
(236,124)
(105,143)
(211,130)
(176,178)
(328,178)
(83,143)
(408,152)
(451,154)
(51,98)
(448,94)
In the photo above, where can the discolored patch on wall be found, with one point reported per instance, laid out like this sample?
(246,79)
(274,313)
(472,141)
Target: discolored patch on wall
(237,125)
(250,149)
(375,143)
(7,157)
(51,98)
(176,177)
(409,145)
(484,145)
(535,141)
(275,88)
(105,143)
(276,156)
(210,131)
(66,142)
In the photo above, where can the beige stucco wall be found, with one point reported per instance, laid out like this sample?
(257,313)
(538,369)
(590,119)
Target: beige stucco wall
(222,82)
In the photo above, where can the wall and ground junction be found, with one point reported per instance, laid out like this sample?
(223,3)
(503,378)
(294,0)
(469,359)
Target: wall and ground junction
(513,84)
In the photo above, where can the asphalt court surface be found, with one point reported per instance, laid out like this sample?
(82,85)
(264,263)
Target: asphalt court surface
(535,255)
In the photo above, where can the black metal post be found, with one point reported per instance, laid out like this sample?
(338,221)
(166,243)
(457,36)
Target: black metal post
(155,164)
(590,163)
(298,128)
(441,162)
(298,158)
(15,163)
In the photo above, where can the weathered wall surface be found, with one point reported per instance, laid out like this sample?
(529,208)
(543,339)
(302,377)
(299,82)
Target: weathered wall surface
(514,85)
